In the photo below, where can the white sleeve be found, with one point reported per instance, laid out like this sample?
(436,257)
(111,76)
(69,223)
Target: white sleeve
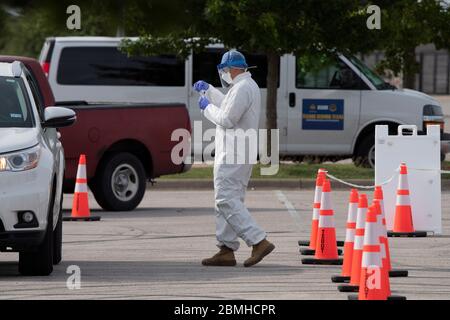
(214,95)
(228,116)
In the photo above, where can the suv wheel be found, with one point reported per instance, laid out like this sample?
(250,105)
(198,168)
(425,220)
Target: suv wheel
(39,261)
(120,183)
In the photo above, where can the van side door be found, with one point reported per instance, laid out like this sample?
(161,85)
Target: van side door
(324,105)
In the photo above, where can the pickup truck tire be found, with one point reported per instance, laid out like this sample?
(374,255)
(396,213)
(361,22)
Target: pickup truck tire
(365,152)
(57,237)
(121,182)
(39,261)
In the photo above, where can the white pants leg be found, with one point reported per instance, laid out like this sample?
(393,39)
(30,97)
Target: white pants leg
(233,220)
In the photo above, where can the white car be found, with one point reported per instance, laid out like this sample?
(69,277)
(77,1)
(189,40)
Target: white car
(31,172)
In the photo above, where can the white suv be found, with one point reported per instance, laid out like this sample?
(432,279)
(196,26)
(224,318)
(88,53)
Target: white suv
(31,173)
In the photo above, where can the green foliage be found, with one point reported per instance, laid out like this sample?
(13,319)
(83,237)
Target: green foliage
(407,24)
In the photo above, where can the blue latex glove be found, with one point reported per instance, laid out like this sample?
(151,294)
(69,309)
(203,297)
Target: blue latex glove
(203,102)
(201,85)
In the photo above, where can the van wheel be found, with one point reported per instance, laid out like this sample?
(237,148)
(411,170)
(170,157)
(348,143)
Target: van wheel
(57,236)
(39,261)
(120,183)
(365,153)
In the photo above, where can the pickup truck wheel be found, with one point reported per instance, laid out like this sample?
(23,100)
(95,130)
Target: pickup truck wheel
(121,182)
(57,237)
(39,261)
(365,154)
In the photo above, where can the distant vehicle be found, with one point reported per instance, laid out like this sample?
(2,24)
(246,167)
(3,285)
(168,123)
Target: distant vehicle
(31,172)
(326,106)
(125,144)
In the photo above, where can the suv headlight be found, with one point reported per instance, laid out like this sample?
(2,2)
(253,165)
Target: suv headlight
(20,160)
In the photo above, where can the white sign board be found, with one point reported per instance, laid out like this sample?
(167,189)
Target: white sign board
(421,153)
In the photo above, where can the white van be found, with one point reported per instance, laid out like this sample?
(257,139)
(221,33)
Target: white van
(326,106)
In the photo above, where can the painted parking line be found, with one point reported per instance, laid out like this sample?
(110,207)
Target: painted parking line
(289,206)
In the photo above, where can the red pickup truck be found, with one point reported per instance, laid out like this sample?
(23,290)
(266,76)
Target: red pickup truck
(126,145)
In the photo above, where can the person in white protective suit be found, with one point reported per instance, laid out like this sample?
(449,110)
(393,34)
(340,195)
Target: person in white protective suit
(233,114)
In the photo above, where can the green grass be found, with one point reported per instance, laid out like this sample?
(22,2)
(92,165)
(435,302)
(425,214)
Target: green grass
(295,171)
(287,171)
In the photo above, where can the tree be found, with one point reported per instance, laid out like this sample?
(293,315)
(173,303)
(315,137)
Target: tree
(271,27)
(406,24)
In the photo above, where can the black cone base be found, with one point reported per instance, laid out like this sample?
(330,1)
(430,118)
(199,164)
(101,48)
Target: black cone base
(348,288)
(340,279)
(415,234)
(311,252)
(355,297)
(322,261)
(91,218)
(305,243)
(397,273)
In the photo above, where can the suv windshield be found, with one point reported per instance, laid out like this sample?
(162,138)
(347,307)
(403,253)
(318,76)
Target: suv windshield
(373,77)
(15,108)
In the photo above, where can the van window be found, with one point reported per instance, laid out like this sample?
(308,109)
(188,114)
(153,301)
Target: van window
(325,72)
(205,67)
(107,66)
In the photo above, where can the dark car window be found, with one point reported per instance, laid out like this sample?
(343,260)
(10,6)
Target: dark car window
(108,66)
(325,72)
(36,94)
(205,67)
(15,110)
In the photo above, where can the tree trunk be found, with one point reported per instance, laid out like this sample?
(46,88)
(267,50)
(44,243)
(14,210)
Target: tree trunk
(410,68)
(271,102)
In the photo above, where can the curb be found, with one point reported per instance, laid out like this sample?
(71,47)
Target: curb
(186,184)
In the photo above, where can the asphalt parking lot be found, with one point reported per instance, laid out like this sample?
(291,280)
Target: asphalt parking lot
(154,252)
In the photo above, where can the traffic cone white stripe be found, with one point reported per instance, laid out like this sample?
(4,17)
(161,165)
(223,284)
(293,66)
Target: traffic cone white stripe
(81,171)
(81,188)
(403,182)
(361,215)
(403,201)
(317,195)
(352,212)
(316,213)
(371,259)
(326,221)
(326,204)
(359,242)
(350,235)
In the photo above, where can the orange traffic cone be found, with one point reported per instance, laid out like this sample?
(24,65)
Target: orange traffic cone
(326,248)
(80,205)
(372,285)
(403,220)
(357,247)
(349,239)
(385,252)
(321,175)
(374,281)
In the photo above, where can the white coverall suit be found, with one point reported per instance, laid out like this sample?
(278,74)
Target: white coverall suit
(239,109)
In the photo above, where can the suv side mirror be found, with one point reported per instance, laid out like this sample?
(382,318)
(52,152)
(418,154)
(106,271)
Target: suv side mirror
(57,117)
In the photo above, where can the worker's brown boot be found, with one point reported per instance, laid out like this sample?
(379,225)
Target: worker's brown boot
(223,258)
(259,251)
